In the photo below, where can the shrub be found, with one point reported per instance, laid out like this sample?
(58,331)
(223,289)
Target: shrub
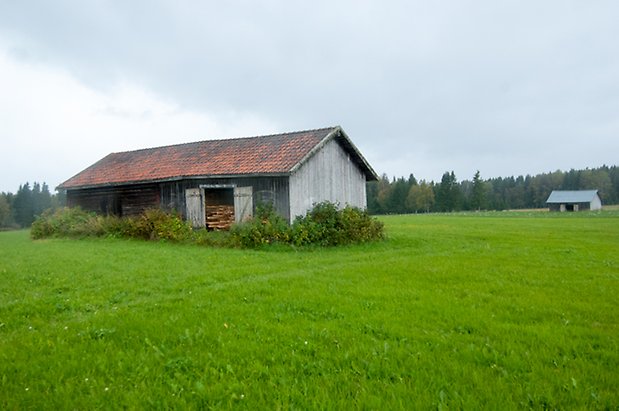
(326,225)
(67,222)
(153,224)
(359,227)
(319,226)
(266,227)
(323,225)
(118,226)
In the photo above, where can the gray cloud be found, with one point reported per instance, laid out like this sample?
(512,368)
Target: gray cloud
(504,87)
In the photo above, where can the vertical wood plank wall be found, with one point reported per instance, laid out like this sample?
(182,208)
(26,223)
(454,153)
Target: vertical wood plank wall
(330,175)
(170,196)
(173,193)
(122,201)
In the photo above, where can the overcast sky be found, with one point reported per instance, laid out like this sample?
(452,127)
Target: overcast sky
(423,87)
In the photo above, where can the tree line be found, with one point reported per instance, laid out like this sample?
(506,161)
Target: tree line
(393,196)
(20,209)
(407,195)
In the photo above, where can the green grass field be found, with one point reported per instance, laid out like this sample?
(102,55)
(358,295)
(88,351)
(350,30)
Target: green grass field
(473,311)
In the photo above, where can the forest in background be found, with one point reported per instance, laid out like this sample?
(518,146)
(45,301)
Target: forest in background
(393,196)
(20,209)
(407,195)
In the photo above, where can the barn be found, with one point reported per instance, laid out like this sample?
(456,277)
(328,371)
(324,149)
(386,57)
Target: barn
(574,200)
(214,183)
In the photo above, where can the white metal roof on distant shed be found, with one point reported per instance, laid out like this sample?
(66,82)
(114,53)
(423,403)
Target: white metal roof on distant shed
(578,196)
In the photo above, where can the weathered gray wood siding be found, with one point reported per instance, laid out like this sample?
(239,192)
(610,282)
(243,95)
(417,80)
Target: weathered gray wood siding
(122,201)
(329,175)
(170,196)
(271,189)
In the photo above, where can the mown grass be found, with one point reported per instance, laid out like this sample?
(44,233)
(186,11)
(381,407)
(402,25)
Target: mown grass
(492,311)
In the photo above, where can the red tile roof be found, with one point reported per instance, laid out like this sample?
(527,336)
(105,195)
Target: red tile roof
(276,154)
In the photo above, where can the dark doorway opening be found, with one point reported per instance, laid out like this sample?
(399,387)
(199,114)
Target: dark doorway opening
(219,207)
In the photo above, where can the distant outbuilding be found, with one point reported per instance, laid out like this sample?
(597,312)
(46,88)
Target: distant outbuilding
(574,200)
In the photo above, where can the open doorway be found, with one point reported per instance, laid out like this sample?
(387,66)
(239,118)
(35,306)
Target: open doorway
(217,207)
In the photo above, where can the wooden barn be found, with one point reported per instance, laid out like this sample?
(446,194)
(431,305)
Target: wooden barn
(217,182)
(574,200)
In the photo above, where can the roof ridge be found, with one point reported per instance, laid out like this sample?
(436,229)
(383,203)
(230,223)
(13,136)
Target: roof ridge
(226,139)
(575,191)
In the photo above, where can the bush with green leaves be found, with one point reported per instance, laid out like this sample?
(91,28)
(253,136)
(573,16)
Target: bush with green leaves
(153,224)
(265,227)
(67,222)
(156,224)
(321,225)
(360,227)
(325,224)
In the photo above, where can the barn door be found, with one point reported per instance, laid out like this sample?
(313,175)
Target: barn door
(243,203)
(194,201)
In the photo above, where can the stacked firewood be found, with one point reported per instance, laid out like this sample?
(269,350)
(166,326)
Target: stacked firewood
(219,217)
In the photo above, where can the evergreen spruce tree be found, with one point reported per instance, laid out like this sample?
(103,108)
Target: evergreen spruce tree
(371,189)
(23,211)
(397,200)
(5,211)
(448,193)
(478,197)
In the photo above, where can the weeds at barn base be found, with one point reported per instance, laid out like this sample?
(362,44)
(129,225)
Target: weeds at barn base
(324,225)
